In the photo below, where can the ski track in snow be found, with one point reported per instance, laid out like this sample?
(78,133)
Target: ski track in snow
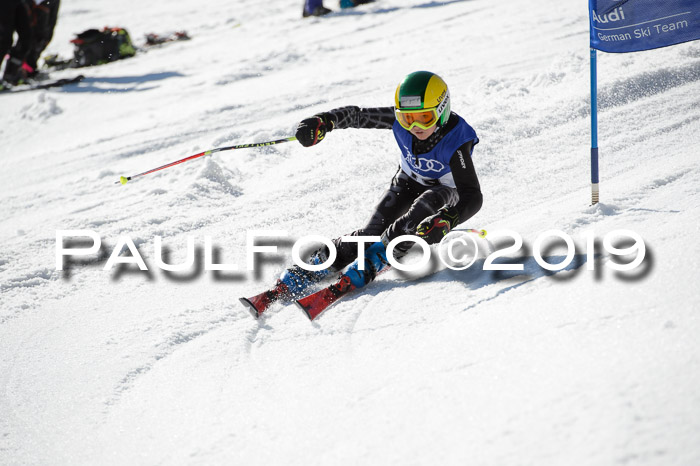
(184,333)
(436,367)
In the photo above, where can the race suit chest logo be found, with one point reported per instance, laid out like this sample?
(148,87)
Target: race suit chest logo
(422,164)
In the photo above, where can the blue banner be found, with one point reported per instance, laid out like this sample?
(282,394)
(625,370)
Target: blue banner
(621,26)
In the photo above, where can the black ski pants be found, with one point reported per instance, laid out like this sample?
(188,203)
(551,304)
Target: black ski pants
(15,15)
(399,212)
(44,22)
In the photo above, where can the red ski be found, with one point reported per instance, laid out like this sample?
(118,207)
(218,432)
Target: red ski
(316,303)
(259,303)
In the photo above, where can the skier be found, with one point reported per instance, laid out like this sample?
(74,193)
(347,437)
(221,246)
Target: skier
(15,15)
(435,188)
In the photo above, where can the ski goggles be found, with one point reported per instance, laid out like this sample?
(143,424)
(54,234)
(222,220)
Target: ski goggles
(424,119)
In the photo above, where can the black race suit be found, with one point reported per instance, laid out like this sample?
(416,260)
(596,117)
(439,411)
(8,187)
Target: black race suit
(409,201)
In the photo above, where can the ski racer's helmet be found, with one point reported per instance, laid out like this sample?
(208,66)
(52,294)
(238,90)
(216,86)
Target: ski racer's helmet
(422,99)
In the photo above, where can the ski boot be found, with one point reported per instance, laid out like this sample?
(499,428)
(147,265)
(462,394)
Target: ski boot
(375,262)
(292,284)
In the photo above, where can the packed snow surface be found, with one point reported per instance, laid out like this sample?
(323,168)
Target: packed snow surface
(585,366)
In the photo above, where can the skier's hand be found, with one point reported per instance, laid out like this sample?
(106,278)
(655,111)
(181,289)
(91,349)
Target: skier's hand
(434,228)
(312,130)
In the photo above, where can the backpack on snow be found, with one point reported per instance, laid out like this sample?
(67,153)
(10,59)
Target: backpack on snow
(95,47)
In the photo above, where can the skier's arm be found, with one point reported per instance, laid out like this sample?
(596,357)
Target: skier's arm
(365,118)
(311,131)
(467,183)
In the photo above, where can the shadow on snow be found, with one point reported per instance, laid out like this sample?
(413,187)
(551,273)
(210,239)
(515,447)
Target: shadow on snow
(91,84)
(475,277)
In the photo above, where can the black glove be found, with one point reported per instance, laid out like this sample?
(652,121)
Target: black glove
(435,227)
(312,130)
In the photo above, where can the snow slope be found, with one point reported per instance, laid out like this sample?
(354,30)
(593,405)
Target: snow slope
(127,367)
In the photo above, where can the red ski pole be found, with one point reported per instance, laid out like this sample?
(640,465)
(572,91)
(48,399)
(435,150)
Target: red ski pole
(125,179)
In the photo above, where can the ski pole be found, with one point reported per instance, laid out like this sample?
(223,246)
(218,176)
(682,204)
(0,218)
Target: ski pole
(125,179)
(481,233)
